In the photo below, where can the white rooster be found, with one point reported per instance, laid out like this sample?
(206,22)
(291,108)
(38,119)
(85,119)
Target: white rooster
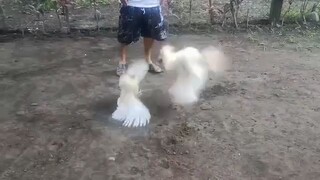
(192,68)
(131,111)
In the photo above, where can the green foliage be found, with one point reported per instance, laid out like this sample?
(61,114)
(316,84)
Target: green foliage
(48,5)
(291,40)
(88,3)
(37,5)
(293,16)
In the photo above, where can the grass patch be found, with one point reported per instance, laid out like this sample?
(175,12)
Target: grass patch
(292,16)
(89,3)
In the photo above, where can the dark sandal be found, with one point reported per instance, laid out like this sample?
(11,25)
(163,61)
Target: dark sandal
(155,68)
(121,69)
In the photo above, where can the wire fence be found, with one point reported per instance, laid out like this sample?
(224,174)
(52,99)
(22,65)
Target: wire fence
(258,9)
(49,15)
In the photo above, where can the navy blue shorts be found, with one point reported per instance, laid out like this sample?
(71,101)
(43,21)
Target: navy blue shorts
(135,22)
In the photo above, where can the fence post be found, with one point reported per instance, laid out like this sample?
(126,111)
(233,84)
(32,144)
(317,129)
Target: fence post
(275,11)
(190,12)
(3,18)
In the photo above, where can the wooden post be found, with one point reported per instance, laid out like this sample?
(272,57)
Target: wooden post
(59,20)
(211,12)
(190,12)
(67,18)
(97,14)
(275,11)
(3,18)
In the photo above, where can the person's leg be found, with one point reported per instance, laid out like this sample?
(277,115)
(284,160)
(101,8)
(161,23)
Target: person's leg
(128,32)
(148,43)
(153,29)
(123,53)
(122,66)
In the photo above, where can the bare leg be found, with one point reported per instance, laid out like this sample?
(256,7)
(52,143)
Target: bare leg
(148,43)
(123,54)
(121,69)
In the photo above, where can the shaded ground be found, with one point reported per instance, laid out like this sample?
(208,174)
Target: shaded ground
(261,121)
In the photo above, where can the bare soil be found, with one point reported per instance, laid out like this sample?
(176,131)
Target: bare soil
(259,121)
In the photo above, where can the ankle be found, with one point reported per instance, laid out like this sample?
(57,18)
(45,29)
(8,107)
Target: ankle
(149,61)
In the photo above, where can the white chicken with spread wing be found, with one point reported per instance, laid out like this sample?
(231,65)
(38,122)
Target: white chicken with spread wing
(131,111)
(192,68)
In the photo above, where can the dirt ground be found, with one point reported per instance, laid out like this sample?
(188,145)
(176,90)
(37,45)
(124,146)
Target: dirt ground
(259,121)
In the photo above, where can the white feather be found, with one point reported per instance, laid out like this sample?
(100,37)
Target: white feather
(192,67)
(131,111)
(139,69)
(215,59)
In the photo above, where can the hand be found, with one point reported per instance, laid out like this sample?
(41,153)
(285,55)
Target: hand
(124,2)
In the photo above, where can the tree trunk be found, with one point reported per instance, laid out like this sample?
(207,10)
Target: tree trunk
(275,11)
(3,18)
(211,12)
(67,17)
(97,14)
(234,9)
(190,12)
(286,12)
(59,20)
(303,11)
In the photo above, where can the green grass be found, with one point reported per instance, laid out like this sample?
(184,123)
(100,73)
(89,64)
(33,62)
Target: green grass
(295,15)
(88,3)
(49,5)
(292,16)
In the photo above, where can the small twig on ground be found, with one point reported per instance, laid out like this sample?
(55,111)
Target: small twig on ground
(67,18)
(190,12)
(211,12)
(315,6)
(303,11)
(299,26)
(65,4)
(234,7)
(59,19)
(226,9)
(247,24)
(3,17)
(97,14)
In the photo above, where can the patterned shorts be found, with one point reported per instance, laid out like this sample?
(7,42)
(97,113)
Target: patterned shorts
(146,22)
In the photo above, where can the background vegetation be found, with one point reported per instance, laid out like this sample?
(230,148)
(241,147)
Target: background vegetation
(65,15)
